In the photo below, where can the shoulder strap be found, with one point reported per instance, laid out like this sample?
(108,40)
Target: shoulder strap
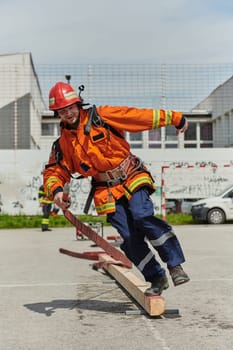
(56,150)
(95,119)
(58,155)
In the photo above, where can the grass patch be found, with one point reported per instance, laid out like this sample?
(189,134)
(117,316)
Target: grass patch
(24,221)
(180,219)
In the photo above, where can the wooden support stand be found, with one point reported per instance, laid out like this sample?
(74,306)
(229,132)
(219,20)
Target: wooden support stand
(154,305)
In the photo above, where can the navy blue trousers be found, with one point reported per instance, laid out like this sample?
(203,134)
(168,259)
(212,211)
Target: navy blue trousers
(135,222)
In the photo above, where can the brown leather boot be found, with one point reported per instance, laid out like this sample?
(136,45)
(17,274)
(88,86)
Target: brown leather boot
(157,286)
(178,275)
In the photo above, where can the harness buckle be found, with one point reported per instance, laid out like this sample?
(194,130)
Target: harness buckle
(114,182)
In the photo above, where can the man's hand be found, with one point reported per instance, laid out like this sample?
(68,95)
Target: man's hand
(62,202)
(183,129)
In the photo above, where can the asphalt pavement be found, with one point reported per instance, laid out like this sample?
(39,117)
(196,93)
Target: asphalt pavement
(52,301)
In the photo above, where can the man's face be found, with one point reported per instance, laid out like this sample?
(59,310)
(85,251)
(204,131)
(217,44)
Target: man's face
(69,114)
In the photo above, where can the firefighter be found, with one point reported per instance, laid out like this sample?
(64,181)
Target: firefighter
(48,209)
(92,143)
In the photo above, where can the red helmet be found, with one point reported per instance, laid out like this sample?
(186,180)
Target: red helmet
(62,95)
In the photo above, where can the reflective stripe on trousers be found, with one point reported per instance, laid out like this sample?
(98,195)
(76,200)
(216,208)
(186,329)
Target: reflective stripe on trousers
(136,223)
(45,221)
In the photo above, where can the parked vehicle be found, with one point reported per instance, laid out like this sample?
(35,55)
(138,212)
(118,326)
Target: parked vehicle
(214,210)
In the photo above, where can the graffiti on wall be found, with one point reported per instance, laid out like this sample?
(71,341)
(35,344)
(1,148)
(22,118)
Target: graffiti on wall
(194,178)
(30,190)
(27,197)
(203,179)
(79,190)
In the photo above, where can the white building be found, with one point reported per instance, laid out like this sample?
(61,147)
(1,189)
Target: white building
(220,105)
(21,103)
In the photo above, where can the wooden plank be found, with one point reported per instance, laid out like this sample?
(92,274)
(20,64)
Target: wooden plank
(154,305)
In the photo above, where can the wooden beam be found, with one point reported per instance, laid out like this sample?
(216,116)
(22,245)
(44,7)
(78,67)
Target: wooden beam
(154,305)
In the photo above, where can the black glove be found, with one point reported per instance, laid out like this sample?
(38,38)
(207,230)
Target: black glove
(182,122)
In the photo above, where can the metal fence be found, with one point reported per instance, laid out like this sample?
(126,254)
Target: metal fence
(170,86)
(182,87)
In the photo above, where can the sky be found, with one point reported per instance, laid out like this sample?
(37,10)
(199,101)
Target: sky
(118,31)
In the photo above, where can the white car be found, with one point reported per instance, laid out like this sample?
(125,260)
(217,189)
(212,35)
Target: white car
(214,210)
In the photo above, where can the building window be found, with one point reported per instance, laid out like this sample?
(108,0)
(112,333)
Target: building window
(135,136)
(190,145)
(171,145)
(199,135)
(133,145)
(206,145)
(154,138)
(50,129)
(191,133)
(171,134)
(155,135)
(206,132)
(155,145)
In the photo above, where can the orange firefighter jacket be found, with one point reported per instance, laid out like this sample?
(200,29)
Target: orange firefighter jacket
(103,150)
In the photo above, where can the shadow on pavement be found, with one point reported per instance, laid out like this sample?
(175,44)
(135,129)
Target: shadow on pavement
(48,308)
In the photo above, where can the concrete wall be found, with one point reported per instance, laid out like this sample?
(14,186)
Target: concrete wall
(189,174)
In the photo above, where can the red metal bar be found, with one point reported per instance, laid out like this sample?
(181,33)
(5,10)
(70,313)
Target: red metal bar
(99,241)
(92,256)
(84,255)
(114,238)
